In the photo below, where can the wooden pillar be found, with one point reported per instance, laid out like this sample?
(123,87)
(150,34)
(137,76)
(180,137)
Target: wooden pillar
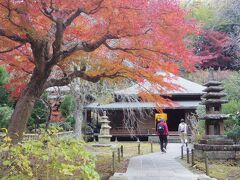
(211,129)
(221,124)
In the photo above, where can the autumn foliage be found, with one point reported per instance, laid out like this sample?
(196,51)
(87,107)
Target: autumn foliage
(106,38)
(214,49)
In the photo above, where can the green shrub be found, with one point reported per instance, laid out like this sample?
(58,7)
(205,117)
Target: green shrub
(200,125)
(5,98)
(61,126)
(67,106)
(70,120)
(87,132)
(233,131)
(200,131)
(232,86)
(234,134)
(67,126)
(38,116)
(4,94)
(231,107)
(3,76)
(5,115)
(47,158)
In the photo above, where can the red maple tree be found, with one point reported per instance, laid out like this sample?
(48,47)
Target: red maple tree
(121,38)
(214,50)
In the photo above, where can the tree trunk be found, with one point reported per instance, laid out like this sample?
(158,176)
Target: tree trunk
(78,116)
(25,105)
(20,117)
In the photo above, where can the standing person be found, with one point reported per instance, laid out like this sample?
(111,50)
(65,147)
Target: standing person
(182,131)
(162,130)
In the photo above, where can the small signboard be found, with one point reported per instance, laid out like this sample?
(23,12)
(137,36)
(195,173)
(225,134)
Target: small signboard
(158,116)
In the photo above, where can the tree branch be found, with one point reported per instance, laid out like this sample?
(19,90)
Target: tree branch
(58,36)
(128,50)
(97,8)
(74,15)
(11,49)
(84,46)
(119,48)
(89,47)
(9,15)
(13,37)
(81,74)
(46,12)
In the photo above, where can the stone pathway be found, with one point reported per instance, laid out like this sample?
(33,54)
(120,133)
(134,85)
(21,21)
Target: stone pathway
(159,166)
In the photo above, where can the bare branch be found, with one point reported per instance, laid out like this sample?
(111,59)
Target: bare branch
(75,14)
(84,46)
(119,48)
(97,7)
(81,74)
(9,14)
(89,47)
(9,18)
(11,49)
(68,21)
(128,50)
(47,11)
(12,36)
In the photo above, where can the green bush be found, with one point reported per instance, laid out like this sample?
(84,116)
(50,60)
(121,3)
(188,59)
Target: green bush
(234,134)
(67,106)
(70,120)
(47,158)
(61,126)
(232,87)
(5,98)
(38,116)
(4,94)
(5,115)
(233,131)
(87,132)
(231,108)
(3,76)
(200,126)
(200,131)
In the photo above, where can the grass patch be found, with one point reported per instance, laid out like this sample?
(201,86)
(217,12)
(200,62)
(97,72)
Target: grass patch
(221,169)
(218,169)
(130,149)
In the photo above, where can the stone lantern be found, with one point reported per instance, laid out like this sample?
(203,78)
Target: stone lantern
(104,136)
(215,144)
(212,100)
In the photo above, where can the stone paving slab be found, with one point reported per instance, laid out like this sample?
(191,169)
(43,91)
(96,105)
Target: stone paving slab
(159,166)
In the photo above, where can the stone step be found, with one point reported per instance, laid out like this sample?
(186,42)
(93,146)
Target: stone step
(171,139)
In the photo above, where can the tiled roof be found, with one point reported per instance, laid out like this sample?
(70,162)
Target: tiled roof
(187,87)
(143,105)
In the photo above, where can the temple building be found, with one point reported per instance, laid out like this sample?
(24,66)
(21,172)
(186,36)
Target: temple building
(121,112)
